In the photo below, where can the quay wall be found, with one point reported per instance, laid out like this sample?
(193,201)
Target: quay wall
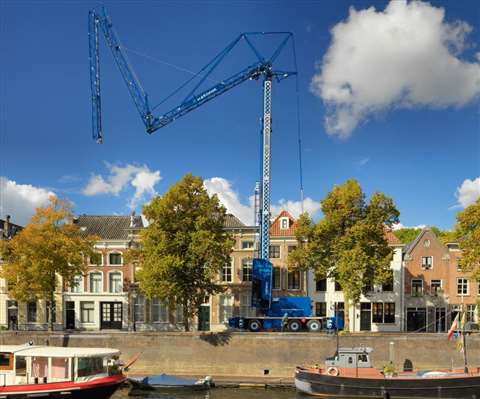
(243,355)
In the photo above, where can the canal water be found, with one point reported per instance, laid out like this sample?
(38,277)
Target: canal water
(219,393)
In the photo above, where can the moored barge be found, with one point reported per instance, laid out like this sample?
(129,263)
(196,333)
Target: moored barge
(349,374)
(28,371)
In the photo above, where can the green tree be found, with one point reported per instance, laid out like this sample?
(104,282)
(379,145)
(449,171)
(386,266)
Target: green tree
(184,248)
(408,234)
(349,243)
(468,234)
(48,252)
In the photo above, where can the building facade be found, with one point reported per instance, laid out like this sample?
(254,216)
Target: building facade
(380,309)
(435,289)
(100,298)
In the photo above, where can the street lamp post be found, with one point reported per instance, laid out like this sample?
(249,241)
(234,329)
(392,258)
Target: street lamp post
(133,296)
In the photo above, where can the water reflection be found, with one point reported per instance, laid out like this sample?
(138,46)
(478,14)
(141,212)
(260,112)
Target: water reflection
(217,393)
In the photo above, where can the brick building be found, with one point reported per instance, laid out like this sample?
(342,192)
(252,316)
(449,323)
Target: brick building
(435,289)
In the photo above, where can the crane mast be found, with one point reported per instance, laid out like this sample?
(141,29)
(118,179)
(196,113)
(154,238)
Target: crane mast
(262,67)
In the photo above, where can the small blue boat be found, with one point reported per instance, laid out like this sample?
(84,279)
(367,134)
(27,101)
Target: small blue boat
(170,382)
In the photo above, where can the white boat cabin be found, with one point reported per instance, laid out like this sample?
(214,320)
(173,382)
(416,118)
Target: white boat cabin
(350,358)
(29,364)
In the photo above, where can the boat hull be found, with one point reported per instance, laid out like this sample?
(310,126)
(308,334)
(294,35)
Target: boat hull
(102,388)
(466,387)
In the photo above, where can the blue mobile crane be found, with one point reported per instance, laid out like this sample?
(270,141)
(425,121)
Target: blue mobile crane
(262,68)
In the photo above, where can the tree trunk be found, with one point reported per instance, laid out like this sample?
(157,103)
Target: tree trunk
(51,311)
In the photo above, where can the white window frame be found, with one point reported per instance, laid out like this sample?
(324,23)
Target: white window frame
(282,220)
(225,310)
(467,284)
(92,310)
(110,282)
(431,263)
(101,259)
(115,253)
(247,241)
(224,268)
(251,269)
(90,282)
(80,288)
(156,303)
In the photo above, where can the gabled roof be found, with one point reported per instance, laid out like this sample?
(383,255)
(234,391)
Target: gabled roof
(232,221)
(391,238)
(412,244)
(109,227)
(275,227)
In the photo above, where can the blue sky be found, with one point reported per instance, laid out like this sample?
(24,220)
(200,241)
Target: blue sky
(402,113)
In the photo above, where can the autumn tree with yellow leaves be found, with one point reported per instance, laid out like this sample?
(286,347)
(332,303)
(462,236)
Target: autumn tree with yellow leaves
(49,251)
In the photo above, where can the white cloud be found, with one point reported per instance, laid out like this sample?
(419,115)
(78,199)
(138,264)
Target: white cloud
(405,56)
(231,200)
(398,226)
(20,200)
(141,178)
(468,192)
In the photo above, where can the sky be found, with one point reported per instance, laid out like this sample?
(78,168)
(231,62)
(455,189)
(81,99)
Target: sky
(388,95)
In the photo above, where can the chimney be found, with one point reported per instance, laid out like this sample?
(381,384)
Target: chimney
(132,220)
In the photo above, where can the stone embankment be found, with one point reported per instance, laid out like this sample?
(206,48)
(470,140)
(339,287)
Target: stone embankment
(251,356)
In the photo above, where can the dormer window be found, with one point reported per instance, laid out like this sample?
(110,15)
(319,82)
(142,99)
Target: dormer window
(284,223)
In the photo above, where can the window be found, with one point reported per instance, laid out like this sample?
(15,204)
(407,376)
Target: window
(387,286)
(427,262)
(6,361)
(478,287)
(417,287)
(435,287)
(116,282)
(20,366)
(377,312)
(32,312)
(291,248)
(96,258)
(321,309)
(471,313)
(90,366)
(321,284)
(139,308)
(383,312)
(59,368)
(115,259)
(227,273)
(338,287)
(96,282)
(225,308)
(247,244)
(462,286)
(274,251)
(246,309)
(159,311)
(86,312)
(77,286)
(294,280)
(276,280)
(247,269)
(284,223)
(389,312)
(179,313)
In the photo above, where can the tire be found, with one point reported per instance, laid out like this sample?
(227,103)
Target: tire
(294,326)
(314,325)
(254,325)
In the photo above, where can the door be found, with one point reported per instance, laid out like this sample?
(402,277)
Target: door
(204,318)
(70,315)
(111,315)
(365,316)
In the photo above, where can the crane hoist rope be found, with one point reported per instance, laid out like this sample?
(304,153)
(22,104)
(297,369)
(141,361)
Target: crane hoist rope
(263,67)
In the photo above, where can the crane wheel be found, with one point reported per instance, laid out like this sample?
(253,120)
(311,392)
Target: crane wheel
(254,325)
(295,326)
(314,325)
